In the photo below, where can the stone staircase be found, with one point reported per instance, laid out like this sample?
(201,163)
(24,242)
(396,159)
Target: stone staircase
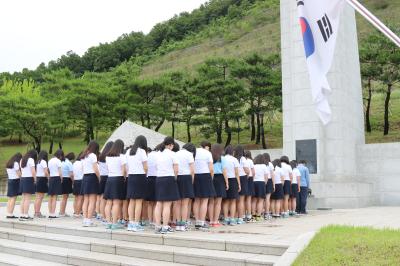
(26,243)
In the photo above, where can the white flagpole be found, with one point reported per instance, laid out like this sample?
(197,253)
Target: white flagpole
(374,21)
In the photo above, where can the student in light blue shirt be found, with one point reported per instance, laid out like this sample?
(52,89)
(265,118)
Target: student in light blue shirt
(67,180)
(304,186)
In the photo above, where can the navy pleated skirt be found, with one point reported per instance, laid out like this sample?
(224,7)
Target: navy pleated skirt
(233,191)
(259,189)
(102,185)
(219,186)
(250,186)
(244,185)
(55,187)
(114,189)
(185,186)
(76,190)
(286,187)
(66,185)
(294,192)
(42,184)
(137,187)
(203,186)
(278,193)
(90,184)
(166,189)
(269,186)
(13,187)
(151,188)
(27,185)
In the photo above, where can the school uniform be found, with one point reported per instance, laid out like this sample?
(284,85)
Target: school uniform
(90,182)
(203,182)
(261,173)
(184,179)
(243,178)
(27,182)
(103,177)
(114,189)
(77,169)
(231,163)
(166,186)
(294,190)
(278,193)
(219,179)
(137,182)
(42,182)
(55,187)
(269,187)
(287,170)
(13,182)
(151,176)
(250,180)
(66,170)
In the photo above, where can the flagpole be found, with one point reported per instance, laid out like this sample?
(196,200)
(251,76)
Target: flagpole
(374,21)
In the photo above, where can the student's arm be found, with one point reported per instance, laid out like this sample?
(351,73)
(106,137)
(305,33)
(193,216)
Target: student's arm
(291,177)
(176,169)
(298,183)
(71,175)
(123,168)
(19,174)
(145,167)
(60,173)
(253,172)
(211,167)
(191,167)
(33,171)
(246,170)
(308,177)
(238,178)
(224,172)
(46,172)
(273,179)
(95,166)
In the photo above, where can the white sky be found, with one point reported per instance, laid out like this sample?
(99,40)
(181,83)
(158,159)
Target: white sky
(35,31)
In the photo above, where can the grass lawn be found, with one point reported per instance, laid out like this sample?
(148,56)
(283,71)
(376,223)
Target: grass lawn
(345,245)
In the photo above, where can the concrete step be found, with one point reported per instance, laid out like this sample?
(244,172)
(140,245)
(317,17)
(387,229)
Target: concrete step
(207,242)
(138,250)
(73,256)
(14,260)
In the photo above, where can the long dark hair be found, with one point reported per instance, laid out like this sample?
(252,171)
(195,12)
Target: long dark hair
(285,159)
(217,151)
(205,143)
(79,156)
(247,154)
(293,164)
(276,163)
(116,149)
(93,147)
(105,151)
(140,142)
(238,152)
(260,159)
(167,141)
(70,156)
(176,147)
(267,158)
(43,155)
(15,158)
(190,147)
(30,154)
(229,150)
(59,154)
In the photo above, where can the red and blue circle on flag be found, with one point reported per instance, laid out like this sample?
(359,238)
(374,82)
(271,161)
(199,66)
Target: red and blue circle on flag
(308,39)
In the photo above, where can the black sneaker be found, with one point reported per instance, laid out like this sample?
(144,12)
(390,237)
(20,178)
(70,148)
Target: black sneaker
(11,217)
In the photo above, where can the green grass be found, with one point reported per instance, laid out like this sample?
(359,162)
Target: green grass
(344,245)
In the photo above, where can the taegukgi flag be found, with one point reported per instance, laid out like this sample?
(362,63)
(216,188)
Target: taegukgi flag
(319,21)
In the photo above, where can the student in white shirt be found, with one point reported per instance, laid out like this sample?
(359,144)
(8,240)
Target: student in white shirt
(55,186)
(261,173)
(114,190)
(27,183)
(287,174)
(14,174)
(78,175)
(151,182)
(277,196)
(137,182)
(101,202)
(250,206)
(203,183)
(42,182)
(270,186)
(166,187)
(244,172)
(67,172)
(294,189)
(90,182)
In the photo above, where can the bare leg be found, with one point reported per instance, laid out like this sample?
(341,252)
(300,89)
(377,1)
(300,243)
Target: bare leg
(166,212)
(157,213)
(92,205)
(63,204)
(116,209)
(38,202)
(138,210)
(211,210)
(11,205)
(217,209)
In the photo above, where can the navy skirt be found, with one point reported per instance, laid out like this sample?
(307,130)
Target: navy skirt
(151,188)
(55,187)
(250,186)
(114,189)
(13,187)
(233,191)
(269,186)
(259,189)
(90,184)
(137,187)
(42,184)
(166,189)
(203,186)
(219,186)
(66,186)
(102,185)
(286,187)
(76,190)
(27,185)
(278,193)
(244,185)
(294,192)
(185,186)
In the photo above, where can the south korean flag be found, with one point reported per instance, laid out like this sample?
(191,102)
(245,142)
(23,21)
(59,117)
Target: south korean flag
(319,21)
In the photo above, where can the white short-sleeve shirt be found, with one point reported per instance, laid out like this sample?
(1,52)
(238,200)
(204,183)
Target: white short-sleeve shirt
(231,164)
(103,169)
(251,166)
(88,162)
(26,171)
(271,169)
(286,170)
(115,164)
(40,167)
(185,158)
(54,166)
(278,173)
(296,173)
(165,163)
(135,162)
(243,163)
(152,163)
(202,160)
(261,171)
(12,172)
(77,169)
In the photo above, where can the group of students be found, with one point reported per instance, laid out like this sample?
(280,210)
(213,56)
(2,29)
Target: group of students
(164,187)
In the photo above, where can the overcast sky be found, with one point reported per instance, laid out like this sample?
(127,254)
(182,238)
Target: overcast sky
(35,31)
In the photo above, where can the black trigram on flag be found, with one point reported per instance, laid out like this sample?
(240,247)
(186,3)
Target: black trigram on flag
(326,28)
